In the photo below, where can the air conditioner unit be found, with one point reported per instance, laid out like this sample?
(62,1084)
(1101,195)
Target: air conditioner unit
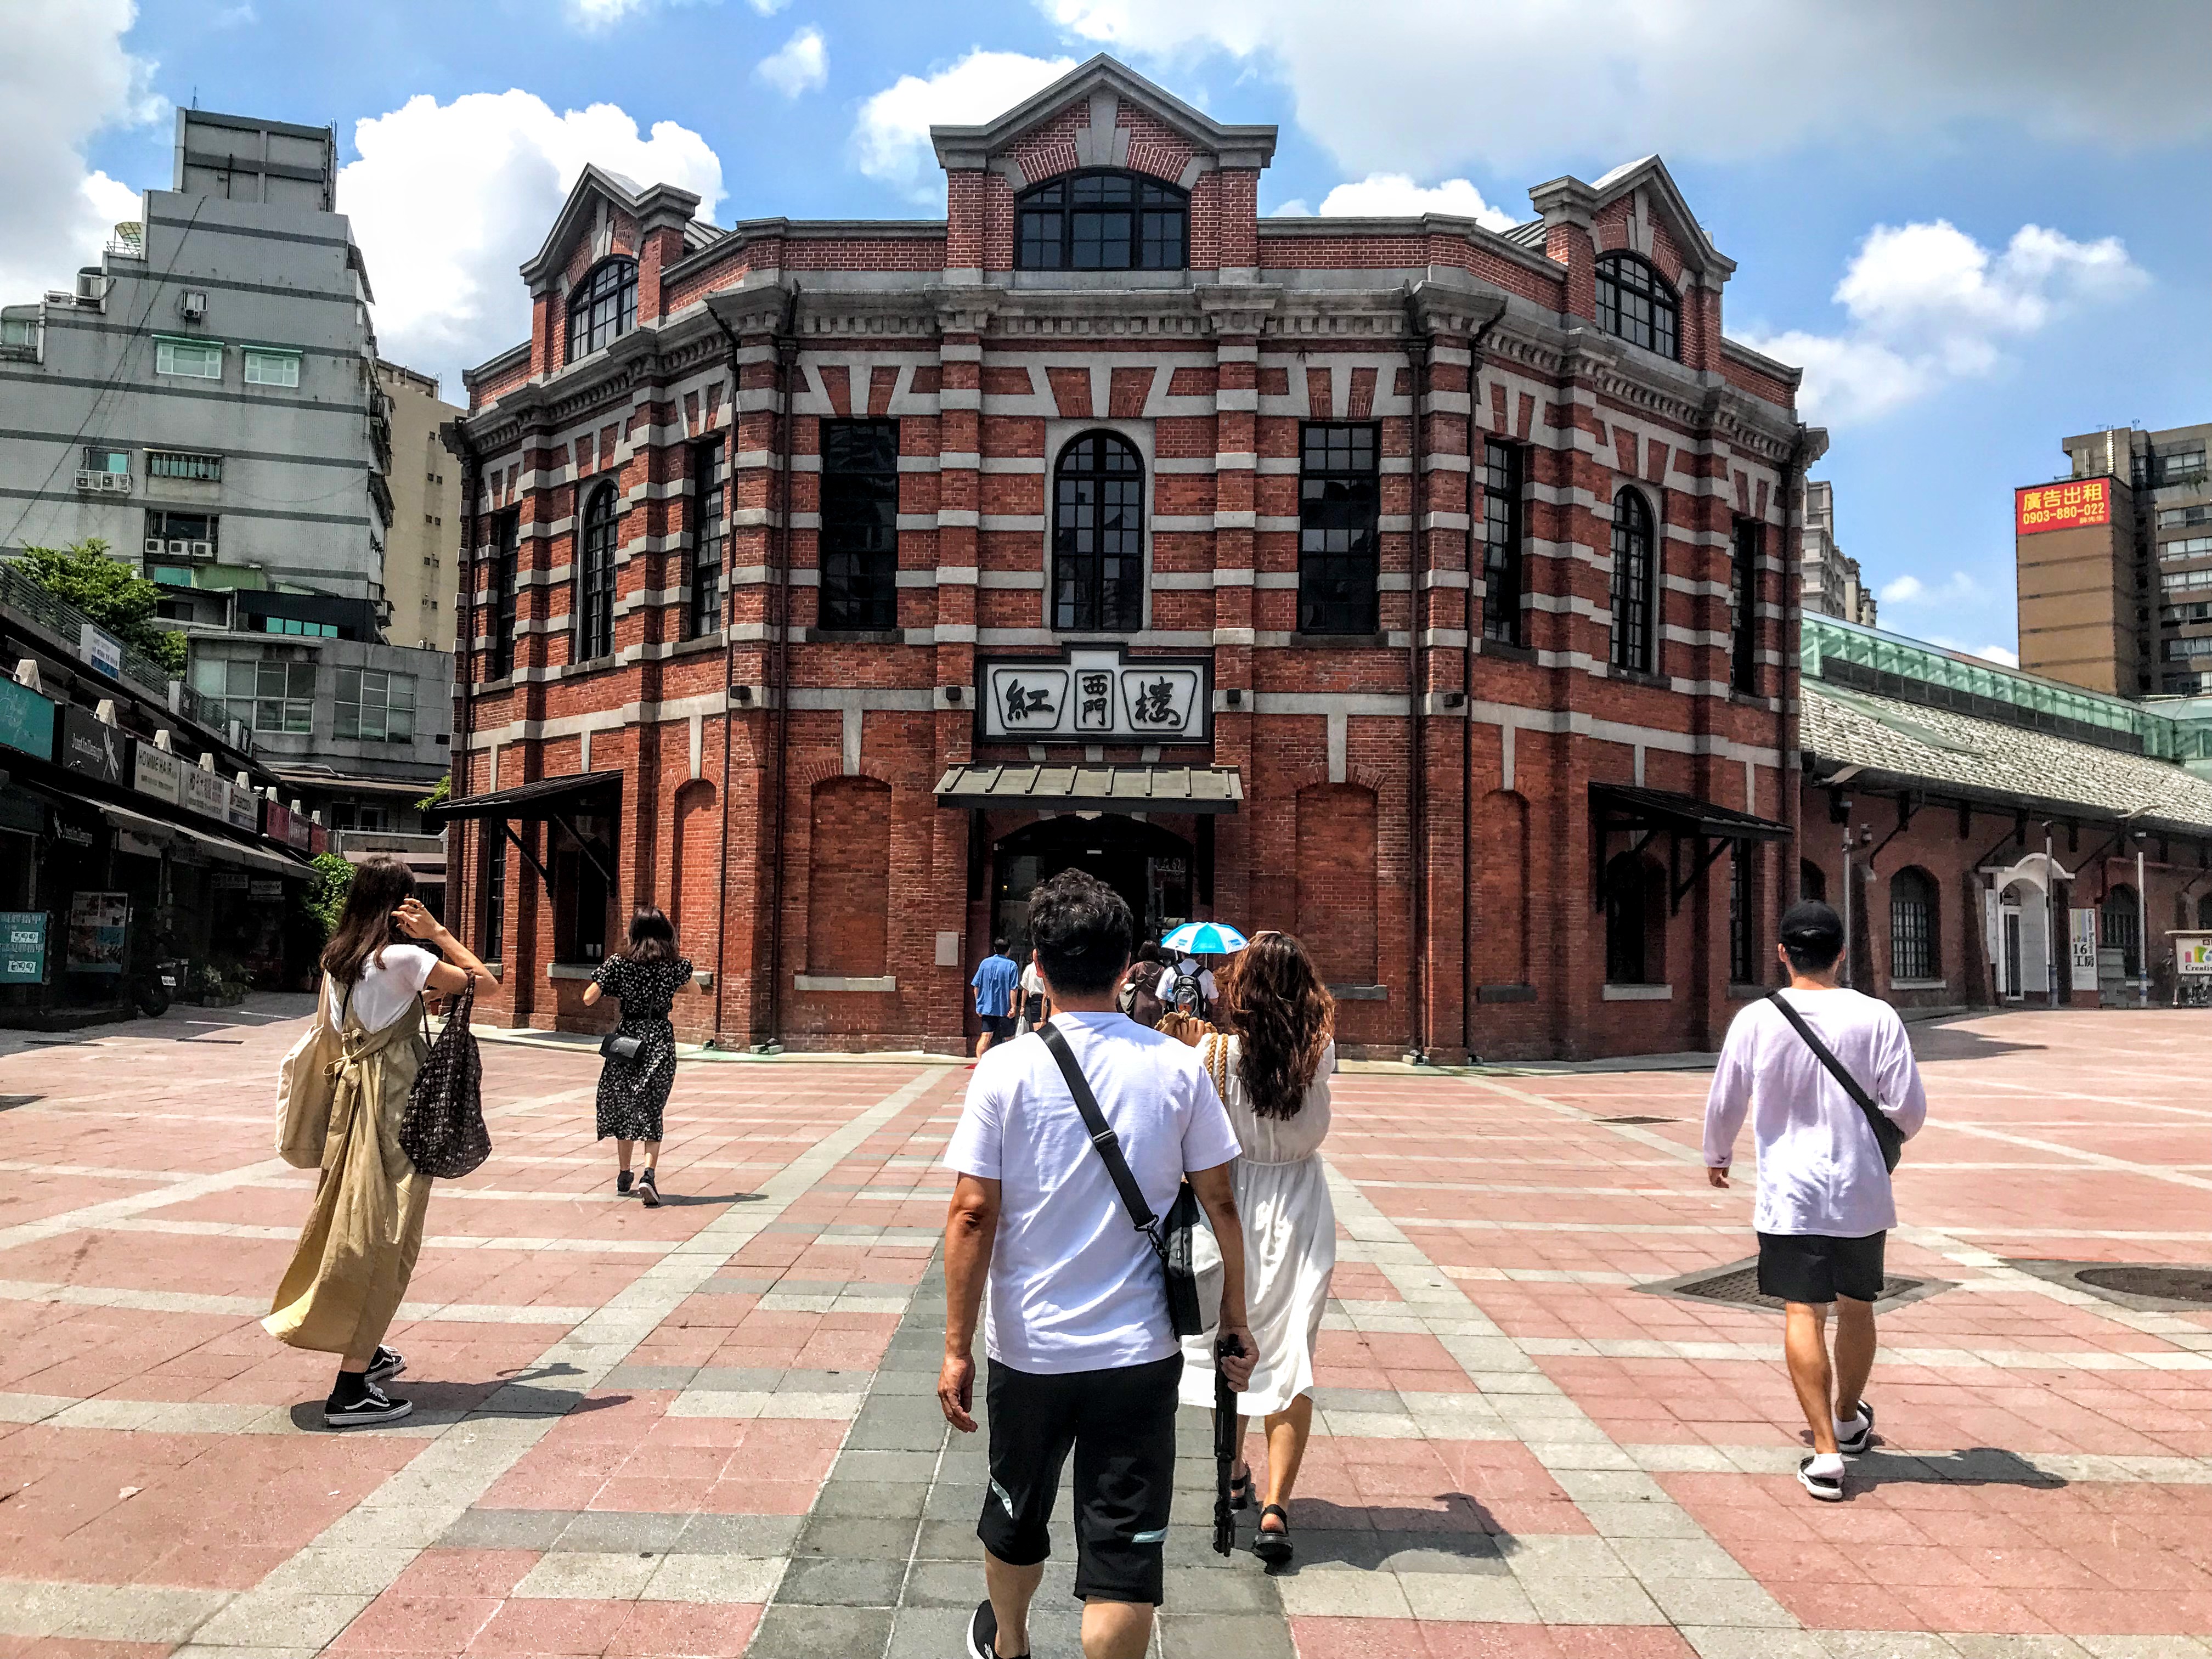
(87,478)
(194,307)
(91,288)
(155,545)
(202,549)
(179,550)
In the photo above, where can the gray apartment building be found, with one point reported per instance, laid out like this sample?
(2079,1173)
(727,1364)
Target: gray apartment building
(1829,582)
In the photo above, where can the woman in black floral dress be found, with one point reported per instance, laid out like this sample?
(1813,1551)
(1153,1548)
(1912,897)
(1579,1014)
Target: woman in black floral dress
(633,1093)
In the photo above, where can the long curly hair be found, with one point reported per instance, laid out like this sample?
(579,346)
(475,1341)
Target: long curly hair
(1282,1017)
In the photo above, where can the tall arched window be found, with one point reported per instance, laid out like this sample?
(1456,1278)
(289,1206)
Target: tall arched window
(603,306)
(595,577)
(1103,221)
(1637,304)
(1635,585)
(2120,928)
(1915,934)
(1811,881)
(1635,922)
(1098,537)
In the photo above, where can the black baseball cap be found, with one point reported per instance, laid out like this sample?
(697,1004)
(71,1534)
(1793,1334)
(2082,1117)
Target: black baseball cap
(1814,929)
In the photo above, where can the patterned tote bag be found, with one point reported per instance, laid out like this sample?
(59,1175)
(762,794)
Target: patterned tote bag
(443,1134)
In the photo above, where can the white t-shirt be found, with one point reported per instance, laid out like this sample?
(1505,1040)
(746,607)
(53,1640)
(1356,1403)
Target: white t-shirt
(383,992)
(1074,1285)
(1165,989)
(1820,1166)
(1032,981)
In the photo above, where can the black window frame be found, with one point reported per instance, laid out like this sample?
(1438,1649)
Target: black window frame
(1635,303)
(506,572)
(1050,219)
(1634,954)
(1090,593)
(593,636)
(1915,940)
(1340,587)
(494,890)
(857,546)
(1504,527)
(709,537)
(1743,913)
(606,300)
(2119,927)
(1745,547)
(1634,646)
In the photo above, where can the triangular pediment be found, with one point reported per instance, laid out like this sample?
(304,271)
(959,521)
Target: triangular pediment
(584,217)
(1651,198)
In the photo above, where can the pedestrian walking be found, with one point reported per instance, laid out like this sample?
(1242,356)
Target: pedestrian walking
(1139,997)
(1271,1065)
(639,1055)
(996,977)
(1187,986)
(345,1089)
(1820,1070)
(1036,1005)
(1082,1351)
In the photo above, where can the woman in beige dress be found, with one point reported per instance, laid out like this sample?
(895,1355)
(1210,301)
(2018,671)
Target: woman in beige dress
(1271,1063)
(350,1268)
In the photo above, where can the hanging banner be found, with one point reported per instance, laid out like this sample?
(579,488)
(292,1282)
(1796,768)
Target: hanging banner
(23,947)
(2085,948)
(97,925)
(156,774)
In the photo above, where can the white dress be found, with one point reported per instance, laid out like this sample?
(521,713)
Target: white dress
(1290,1242)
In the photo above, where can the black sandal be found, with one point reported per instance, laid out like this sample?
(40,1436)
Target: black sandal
(1273,1548)
(1240,1490)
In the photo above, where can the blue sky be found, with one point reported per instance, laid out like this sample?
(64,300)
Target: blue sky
(1871,168)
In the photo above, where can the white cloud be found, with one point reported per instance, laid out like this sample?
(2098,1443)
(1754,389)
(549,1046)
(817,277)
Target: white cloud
(1902,591)
(443,240)
(767,7)
(1713,79)
(2003,655)
(890,142)
(1929,305)
(1958,587)
(64,77)
(801,64)
(595,16)
(1396,196)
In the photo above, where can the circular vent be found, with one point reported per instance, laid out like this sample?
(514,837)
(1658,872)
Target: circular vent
(2175,1284)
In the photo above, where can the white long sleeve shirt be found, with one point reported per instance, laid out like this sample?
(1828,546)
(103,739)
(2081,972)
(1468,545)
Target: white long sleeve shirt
(1820,1166)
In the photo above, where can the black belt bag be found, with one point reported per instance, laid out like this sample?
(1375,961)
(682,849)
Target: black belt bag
(1175,1240)
(615,1046)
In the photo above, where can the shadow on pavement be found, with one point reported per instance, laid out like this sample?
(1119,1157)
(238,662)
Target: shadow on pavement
(671,1200)
(1975,1466)
(1934,1040)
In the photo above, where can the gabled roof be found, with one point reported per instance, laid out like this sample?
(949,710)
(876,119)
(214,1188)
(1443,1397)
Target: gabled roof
(1570,197)
(972,147)
(652,205)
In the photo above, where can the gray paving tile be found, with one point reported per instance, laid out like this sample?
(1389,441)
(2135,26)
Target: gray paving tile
(905,1467)
(955,1583)
(506,1530)
(948,1540)
(812,1287)
(941,1632)
(810,1228)
(954,1501)
(788,1632)
(916,1381)
(825,1581)
(734,1379)
(856,1537)
(726,1285)
(886,1499)
(895,1436)
(1194,1589)
(603,1531)
(1223,1636)
(758,1535)
(1359,1400)
(799,1381)
(649,1377)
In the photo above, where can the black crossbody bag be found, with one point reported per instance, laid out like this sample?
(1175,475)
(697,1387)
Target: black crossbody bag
(1173,1240)
(1885,1133)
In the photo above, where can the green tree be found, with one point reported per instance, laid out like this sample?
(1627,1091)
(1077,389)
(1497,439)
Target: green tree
(109,591)
(327,899)
(440,793)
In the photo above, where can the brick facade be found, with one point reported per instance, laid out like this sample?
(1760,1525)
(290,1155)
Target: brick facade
(1415,801)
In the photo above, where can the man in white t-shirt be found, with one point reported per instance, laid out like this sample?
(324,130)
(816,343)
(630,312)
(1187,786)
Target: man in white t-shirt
(1191,969)
(1082,1356)
(1825,1206)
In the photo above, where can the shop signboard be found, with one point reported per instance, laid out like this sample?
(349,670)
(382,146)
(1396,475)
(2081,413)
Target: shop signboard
(265,892)
(25,814)
(2076,505)
(205,792)
(2085,948)
(26,720)
(99,924)
(229,881)
(297,837)
(1095,694)
(277,820)
(2192,954)
(156,775)
(23,947)
(101,651)
(92,747)
(241,808)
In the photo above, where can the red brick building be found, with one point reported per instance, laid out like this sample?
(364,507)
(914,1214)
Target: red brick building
(1414,587)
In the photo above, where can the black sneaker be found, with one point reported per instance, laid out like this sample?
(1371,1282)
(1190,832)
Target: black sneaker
(387,1365)
(621,1182)
(1828,1488)
(1863,1441)
(648,1192)
(983,1632)
(371,1405)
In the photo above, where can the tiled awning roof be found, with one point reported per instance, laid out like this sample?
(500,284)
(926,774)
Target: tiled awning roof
(1907,744)
(1200,789)
(1668,808)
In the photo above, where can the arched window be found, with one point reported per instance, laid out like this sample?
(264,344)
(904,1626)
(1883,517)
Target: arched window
(2205,911)
(1811,881)
(1635,922)
(1635,585)
(1914,935)
(1637,304)
(595,578)
(2120,928)
(1103,221)
(1098,537)
(603,306)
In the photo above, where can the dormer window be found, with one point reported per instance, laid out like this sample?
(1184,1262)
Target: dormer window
(1103,221)
(1637,304)
(604,306)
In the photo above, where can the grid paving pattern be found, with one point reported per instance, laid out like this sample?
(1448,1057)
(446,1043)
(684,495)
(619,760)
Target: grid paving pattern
(710,1429)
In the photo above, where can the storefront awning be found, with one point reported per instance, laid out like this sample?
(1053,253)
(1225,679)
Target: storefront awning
(1196,789)
(548,798)
(1626,807)
(223,850)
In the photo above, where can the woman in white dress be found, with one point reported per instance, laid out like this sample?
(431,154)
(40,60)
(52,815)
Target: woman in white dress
(1272,1063)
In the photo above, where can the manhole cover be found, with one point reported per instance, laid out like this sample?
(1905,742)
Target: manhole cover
(2176,1284)
(1639,1119)
(1736,1285)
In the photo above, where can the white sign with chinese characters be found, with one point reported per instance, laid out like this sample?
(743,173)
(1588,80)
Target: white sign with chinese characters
(1095,694)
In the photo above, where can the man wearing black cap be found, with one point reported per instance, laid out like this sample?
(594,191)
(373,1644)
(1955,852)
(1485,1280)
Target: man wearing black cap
(1824,1204)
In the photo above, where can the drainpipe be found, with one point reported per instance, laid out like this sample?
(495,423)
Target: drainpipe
(1417,357)
(2050,921)
(2142,930)
(729,667)
(1789,672)
(786,351)
(465,652)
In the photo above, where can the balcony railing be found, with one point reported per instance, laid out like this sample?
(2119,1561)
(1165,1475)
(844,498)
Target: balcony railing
(19,592)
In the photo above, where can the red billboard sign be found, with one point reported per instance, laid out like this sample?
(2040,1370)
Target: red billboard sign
(2073,506)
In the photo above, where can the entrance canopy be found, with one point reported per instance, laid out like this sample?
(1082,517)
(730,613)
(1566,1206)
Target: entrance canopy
(1626,807)
(1204,790)
(548,798)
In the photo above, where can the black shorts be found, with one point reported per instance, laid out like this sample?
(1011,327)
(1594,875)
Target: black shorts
(1814,1268)
(999,1028)
(1121,1425)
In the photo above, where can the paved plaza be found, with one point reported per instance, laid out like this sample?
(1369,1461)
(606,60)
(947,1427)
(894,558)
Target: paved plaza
(710,1429)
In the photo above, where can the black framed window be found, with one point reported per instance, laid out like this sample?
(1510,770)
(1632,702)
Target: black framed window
(1635,585)
(1103,221)
(1503,585)
(710,523)
(1743,912)
(603,308)
(1098,537)
(1913,940)
(1637,304)
(2119,927)
(1635,922)
(494,890)
(506,545)
(595,577)
(859,525)
(1340,528)
(1743,605)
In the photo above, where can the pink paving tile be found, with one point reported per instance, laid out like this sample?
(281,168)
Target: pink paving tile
(475,1574)
(64,1647)
(684,1630)
(399,1622)
(548,1626)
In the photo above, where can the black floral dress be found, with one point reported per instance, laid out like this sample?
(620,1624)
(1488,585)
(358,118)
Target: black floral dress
(633,1093)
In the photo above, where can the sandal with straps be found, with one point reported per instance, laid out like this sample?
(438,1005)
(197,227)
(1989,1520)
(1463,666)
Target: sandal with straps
(1273,1548)
(1240,1490)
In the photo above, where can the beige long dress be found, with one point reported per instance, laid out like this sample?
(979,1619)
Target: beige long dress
(349,1271)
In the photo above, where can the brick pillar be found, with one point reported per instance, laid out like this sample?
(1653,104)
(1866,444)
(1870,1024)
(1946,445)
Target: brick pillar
(1237,317)
(960,432)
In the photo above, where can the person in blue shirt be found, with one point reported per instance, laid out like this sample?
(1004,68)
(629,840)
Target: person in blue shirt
(997,984)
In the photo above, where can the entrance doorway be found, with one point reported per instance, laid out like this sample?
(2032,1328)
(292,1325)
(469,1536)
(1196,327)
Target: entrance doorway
(1149,867)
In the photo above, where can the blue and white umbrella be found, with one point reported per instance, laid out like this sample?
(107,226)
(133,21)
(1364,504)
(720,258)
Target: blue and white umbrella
(1205,938)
